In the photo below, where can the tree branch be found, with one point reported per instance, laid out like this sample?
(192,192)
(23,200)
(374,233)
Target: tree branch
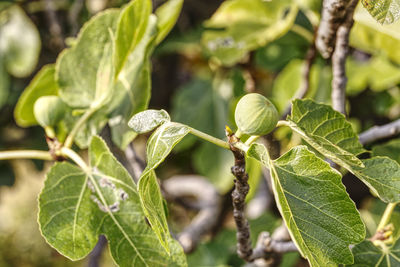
(239,194)
(380,132)
(333,14)
(339,56)
(208,199)
(305,83)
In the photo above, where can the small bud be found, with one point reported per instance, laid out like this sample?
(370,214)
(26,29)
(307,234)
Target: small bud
(49,110)
(255,115)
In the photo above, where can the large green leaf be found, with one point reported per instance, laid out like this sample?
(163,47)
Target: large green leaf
(167,15)
(43,84)
(321,218)
(239,26)
(375,38)
(77,205)
(19,42)
(384,11)
(366,254)
(159,146)
(327,131)
(84,72)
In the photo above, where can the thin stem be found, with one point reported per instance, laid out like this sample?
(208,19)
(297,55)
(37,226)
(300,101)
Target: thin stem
(282,123)
(303,32)
(67,152)
(386,216)
(251,140)
(210,138)
(70,138)
(25,154)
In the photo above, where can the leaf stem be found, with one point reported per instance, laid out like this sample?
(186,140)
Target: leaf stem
(210,138)
(25,154)
(70,138)
(282,123)
(69,153)
(251,140)
(386,216)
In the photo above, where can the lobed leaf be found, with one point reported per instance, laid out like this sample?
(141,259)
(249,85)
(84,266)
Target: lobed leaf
(77,205)
(320,216)
(329,133)
(366,254)
(384,11)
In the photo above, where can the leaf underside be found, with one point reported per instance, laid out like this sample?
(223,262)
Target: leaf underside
(383,11)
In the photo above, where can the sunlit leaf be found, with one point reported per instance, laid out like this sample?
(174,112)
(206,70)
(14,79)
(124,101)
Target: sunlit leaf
(167,15)
(327,131)
(131,28)
(384,11)
(159,146)
(375,38)
(321,218)
(330,134)
(77,205)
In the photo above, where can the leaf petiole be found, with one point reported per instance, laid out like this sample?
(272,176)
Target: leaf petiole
(70,138)
(25,154)
(209,138)
(69,153)
(386,216)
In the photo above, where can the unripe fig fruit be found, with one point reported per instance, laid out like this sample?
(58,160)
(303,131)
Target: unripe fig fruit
(49,110)
(255,115)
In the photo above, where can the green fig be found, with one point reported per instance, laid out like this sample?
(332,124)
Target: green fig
(255,115)
(49,110)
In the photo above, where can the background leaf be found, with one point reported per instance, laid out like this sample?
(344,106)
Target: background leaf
(239,26)
(19,42)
